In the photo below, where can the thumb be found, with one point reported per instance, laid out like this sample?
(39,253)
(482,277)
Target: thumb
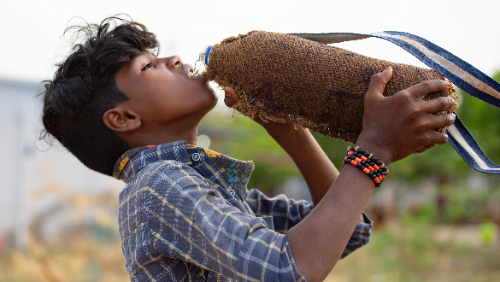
(378,82)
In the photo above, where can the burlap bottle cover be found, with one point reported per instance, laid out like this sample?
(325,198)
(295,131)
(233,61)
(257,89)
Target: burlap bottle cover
(283,78)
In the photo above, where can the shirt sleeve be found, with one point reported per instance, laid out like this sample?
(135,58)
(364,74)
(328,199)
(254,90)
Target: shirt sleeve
(190,220)
(287,212)
(360,236)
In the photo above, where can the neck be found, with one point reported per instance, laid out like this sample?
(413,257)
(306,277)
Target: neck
(163,136)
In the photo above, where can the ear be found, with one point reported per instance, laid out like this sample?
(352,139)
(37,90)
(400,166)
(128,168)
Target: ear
(121,120)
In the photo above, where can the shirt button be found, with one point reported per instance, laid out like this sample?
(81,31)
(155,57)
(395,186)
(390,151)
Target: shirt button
(195,157)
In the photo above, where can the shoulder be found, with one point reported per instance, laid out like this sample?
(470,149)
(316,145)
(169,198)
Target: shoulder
(171,173)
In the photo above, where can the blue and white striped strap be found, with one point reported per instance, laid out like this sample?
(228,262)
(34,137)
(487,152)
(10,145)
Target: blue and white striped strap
(461,73)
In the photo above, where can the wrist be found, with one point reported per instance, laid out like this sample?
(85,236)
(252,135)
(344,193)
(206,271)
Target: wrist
(380,151)
(367,163)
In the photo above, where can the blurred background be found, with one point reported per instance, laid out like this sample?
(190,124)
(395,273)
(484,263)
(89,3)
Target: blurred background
(435,218)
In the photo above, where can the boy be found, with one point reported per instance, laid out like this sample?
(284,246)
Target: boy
(125,112)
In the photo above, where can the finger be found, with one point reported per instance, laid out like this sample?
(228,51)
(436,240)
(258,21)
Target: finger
(378,82)
(436,137)
(230,91)
(439,121)
(438,104)
(230,96)
(429,86)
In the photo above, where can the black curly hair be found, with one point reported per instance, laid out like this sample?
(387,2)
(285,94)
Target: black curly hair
(84,88)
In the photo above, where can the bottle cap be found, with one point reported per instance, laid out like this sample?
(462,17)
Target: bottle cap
(204,54)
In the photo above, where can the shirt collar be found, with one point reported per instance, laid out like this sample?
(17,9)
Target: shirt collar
(236,172)
(133,160)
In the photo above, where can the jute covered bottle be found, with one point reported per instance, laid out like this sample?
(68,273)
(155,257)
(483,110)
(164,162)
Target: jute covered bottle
(281,77)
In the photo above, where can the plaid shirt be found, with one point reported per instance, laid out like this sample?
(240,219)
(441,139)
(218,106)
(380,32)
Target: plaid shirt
(185,215)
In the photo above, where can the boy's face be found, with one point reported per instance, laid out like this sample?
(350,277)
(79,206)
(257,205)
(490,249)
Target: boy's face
(163,90)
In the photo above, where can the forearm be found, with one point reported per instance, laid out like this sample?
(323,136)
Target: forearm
(330,225)
(318,171)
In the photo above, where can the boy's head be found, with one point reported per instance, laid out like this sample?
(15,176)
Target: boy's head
(112,93)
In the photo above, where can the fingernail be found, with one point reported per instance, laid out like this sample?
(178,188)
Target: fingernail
(388,68)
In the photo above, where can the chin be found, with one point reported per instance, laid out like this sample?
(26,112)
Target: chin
(213,97)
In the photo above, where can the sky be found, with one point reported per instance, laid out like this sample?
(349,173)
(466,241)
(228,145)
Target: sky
(32,41)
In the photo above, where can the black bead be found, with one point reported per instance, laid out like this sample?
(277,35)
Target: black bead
(370,174)
(358,155)
(363,162)
(379,162)
(372,163)
(367,164)
(373,176)
(384,169)
(374,158)
(358,165)
(366,154)
(361,151)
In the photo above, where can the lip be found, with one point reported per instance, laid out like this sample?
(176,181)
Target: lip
(189,70)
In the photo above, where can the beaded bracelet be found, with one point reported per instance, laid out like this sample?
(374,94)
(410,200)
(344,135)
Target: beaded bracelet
(367,163)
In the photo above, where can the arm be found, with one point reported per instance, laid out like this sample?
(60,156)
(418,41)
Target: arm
(318,171)
(286,213)
(393,128)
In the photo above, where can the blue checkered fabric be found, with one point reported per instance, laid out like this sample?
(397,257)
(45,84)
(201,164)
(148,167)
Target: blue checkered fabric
(180,220)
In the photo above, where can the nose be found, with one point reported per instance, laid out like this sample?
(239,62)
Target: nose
(174,61)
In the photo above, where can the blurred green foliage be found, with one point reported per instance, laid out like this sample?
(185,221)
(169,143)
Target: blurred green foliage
(459,205)
(488,233)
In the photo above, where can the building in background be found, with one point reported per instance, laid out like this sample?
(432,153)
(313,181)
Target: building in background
(35,176)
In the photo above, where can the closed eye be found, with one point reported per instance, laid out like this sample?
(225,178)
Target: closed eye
(147,66)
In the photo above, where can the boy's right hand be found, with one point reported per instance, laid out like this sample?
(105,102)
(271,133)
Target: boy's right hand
(395,127)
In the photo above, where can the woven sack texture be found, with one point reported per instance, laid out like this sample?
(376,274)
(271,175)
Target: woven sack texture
(281,78)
